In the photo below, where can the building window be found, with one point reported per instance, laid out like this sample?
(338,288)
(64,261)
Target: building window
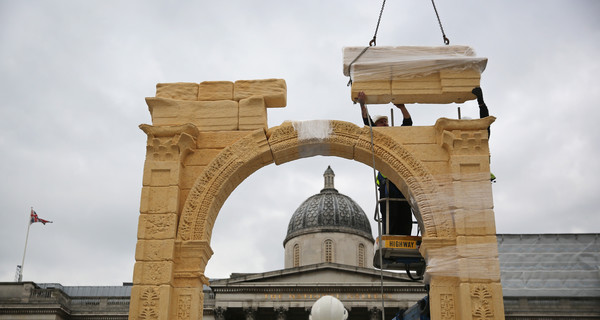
(328,250)
(361,255)
(296,255)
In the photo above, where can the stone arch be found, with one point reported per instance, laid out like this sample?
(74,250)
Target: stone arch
(206,142)
(280,145)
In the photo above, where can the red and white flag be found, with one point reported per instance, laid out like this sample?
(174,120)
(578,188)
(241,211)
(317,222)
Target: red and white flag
(35,218)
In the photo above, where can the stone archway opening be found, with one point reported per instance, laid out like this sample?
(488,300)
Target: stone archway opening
(275,192)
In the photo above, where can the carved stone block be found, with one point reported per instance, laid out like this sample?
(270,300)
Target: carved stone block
(481,301)
(205,115)
(161,173)
(274,91)
(155,250)
(152,273)
(378,92)
(159,199)
(189,176)
(202,157)
(215,90)
(177,90)
(253,113)
(187,303)
(157,226)
(474,222)
(150,302)
(477,246)
(219,140)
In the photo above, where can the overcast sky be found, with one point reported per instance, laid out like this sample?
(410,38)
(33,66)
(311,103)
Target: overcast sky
(74,75)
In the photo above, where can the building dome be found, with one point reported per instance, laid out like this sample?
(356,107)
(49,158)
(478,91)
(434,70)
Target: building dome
(329,211)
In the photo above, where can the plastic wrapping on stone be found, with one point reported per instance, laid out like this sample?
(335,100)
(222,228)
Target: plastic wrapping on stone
(460,210)
(313,129)
(390,63)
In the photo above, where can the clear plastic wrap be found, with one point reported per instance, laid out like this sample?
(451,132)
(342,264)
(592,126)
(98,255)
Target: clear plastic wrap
(313,129)
(389,63)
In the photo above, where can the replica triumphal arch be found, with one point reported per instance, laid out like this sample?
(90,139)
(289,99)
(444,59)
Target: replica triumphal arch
(206,138)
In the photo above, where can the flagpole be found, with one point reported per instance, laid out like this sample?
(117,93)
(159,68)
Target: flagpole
(25,250)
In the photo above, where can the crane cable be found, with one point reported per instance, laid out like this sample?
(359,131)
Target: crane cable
(372,43)
(446,40)
(377,216)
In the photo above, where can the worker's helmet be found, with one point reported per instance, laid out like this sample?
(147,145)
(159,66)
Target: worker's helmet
(328,308)
(377,118)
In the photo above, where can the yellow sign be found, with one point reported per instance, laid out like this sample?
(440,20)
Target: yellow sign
(401,244)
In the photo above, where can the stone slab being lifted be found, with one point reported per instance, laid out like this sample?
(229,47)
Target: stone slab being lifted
(411,74)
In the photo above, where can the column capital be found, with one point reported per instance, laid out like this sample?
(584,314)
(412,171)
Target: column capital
(170,143)
(462,137)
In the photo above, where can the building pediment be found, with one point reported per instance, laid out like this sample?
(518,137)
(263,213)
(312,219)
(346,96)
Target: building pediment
(322,274)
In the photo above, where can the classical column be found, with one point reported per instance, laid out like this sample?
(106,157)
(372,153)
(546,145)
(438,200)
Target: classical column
(220,313)
(281,313)
(374,313)
(152,292)
(463,269)
(250,313)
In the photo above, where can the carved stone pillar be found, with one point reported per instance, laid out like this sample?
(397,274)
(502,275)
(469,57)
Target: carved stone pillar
(463,269)
(190,259)
(152,293)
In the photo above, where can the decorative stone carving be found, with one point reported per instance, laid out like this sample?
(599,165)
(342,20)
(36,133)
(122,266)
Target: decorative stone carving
(184,303)
(482,306)
(447,306)
(170,143)
(152,273)
(157,226)
(149,298)
(463,136)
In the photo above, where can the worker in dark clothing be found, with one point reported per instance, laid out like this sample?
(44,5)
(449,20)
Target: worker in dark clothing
(483,112)
(483,109)
(399,208)
(382,121)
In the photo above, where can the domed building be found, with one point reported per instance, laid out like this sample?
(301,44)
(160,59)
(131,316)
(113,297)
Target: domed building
(329,227)
(328,251)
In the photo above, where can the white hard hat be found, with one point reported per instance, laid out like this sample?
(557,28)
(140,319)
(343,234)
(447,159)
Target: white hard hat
(328,308)
(377,118)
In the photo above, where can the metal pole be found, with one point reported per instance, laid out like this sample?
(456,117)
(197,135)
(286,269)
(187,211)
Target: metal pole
(25,250)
